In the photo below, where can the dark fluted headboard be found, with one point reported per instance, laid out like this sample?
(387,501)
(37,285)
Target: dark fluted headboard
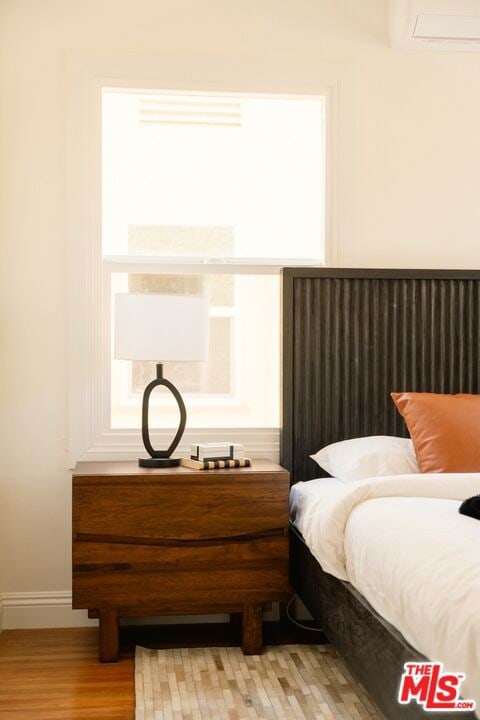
(351,337)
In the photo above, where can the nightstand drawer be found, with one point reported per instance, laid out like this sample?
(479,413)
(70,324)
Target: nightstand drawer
(184,507)
(122,575)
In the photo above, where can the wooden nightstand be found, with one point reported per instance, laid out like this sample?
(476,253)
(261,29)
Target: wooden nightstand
(177,541)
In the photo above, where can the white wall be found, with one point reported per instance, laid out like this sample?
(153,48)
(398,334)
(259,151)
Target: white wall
(417,197)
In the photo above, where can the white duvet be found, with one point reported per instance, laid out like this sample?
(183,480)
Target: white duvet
(402,543)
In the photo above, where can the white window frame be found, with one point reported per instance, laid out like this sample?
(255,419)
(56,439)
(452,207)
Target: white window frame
(90,437)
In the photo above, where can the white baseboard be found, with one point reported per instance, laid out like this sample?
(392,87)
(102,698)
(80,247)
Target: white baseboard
(40,610)
(30,610)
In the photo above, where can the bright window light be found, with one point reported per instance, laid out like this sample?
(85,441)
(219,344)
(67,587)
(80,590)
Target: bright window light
(200,181)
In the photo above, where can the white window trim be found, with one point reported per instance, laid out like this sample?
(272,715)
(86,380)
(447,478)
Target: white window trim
(87,74)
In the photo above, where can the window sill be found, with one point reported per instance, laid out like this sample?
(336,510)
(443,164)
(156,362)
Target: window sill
(127,444)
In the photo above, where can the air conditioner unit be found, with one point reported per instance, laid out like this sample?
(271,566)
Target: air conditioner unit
(435,24)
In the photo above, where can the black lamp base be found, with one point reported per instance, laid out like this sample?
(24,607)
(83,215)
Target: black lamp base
(158,462)
(161,458)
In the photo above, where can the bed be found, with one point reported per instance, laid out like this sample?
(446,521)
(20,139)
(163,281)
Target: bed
(350,337)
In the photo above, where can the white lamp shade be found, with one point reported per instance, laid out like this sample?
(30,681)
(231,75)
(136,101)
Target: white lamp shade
(161,327)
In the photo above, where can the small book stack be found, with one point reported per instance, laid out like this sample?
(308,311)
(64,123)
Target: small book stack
(216,456)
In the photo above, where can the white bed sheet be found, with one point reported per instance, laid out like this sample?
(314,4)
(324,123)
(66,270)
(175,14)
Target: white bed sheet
(402,543)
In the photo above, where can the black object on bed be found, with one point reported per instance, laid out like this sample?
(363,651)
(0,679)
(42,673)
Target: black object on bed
(350,338)
(471,507)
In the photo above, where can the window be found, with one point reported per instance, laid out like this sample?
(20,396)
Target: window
(173,186)
(210,194)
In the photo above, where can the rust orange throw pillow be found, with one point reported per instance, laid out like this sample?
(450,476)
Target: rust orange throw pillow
(445,430)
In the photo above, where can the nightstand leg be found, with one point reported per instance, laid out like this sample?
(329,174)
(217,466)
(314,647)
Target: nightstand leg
(108,632)
(252,629)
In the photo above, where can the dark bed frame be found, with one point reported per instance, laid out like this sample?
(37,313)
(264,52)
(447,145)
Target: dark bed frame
(350,337)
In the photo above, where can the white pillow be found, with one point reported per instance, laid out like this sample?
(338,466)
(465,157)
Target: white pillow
(367,457)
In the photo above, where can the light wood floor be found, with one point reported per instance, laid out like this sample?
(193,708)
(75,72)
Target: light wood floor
(55,675)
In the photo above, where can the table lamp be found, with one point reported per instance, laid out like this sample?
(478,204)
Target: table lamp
(161,328)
